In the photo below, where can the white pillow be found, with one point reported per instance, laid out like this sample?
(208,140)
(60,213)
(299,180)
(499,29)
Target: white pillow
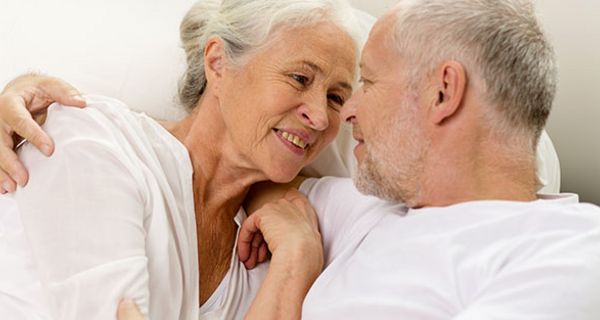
(129,50)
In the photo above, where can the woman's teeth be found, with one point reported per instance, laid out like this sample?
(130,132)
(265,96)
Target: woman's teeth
(297,141)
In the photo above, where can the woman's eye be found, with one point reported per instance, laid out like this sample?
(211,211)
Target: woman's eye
(336,99)
(303,80)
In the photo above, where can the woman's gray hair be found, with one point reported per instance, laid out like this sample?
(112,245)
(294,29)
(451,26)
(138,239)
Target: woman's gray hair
(246,25)
(502,47)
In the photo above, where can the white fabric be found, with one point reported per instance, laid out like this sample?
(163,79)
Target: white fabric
(548,166)
(20,290)
(110,216)
(471,261)
(234,295)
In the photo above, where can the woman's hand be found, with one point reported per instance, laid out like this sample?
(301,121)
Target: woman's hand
(260,194)
(290,228)
(287,224)
(24,98)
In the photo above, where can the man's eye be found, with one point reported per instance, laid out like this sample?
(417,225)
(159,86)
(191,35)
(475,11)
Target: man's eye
(303,80)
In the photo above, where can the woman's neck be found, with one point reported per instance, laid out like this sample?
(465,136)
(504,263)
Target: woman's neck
(221,180)
(221,175)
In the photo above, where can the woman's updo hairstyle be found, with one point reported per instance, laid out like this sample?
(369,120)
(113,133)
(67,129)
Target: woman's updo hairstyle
(246,25)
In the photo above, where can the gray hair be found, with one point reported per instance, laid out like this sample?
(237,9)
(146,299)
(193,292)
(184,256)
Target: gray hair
(245,26)
(502,47)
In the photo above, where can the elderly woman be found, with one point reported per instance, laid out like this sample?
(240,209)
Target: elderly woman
(128,207)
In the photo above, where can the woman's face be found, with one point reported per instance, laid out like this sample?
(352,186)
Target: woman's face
(282,107)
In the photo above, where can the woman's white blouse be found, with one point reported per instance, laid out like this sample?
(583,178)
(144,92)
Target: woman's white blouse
(111,215)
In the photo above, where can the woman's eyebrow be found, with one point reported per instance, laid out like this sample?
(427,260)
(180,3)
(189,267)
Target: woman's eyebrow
(317,69)
(345,85)
(311,65)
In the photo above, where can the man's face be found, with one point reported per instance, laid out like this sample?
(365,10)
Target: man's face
(387,123)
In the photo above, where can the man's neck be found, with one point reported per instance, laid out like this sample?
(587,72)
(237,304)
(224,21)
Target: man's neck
(487,174)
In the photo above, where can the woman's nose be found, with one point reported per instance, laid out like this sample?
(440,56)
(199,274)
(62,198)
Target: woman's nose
(314,115)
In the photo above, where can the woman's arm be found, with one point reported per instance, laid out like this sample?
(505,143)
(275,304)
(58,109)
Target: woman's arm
(260,194)
(290,228)
(83,215)
(264,192)
(22,99)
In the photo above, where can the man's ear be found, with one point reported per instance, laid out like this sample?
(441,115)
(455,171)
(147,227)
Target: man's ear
(449,87)
(214,62)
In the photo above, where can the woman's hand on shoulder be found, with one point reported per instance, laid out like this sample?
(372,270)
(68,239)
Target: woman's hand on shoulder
(290,228)
(23,101)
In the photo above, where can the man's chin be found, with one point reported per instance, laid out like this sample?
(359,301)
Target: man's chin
(366,183)
(373,183)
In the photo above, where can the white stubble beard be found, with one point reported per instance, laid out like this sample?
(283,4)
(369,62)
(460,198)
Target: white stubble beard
(391,173)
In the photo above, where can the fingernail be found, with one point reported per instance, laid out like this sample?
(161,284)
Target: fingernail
(6,186)
(19,179)
(80,98)
(46,149)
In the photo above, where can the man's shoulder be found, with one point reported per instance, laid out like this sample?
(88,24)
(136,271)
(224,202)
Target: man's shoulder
(566,211)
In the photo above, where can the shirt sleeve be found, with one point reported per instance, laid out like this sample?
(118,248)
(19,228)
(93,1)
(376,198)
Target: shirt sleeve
(83,215)
(345,215)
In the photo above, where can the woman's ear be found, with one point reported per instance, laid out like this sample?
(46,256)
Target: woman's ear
(214,62)
(450,84)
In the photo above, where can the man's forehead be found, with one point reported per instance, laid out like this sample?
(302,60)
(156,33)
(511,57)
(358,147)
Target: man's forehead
(377,47)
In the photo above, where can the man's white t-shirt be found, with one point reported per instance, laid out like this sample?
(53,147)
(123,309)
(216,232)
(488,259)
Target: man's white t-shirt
(111,215)
(475,260)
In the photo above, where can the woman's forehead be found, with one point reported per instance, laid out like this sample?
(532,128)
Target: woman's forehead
(321,48)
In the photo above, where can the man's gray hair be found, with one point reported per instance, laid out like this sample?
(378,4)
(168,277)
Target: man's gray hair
(245,26)
(501,45)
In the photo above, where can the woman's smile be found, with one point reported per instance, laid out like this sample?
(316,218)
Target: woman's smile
(296,141)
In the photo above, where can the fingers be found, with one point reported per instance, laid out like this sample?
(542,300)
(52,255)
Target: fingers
(62,92)
(17,117)
(246,236)
(7,184)
(293,194)
(12,171)
(253,260)
(25,94)
(128,310)
(263,253)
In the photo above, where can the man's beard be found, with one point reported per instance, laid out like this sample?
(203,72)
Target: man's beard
(392,174)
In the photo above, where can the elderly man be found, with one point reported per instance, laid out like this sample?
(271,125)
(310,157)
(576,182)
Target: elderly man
(455,94)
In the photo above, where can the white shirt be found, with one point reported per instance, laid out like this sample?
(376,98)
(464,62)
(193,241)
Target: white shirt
(111,215)
(476,260)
